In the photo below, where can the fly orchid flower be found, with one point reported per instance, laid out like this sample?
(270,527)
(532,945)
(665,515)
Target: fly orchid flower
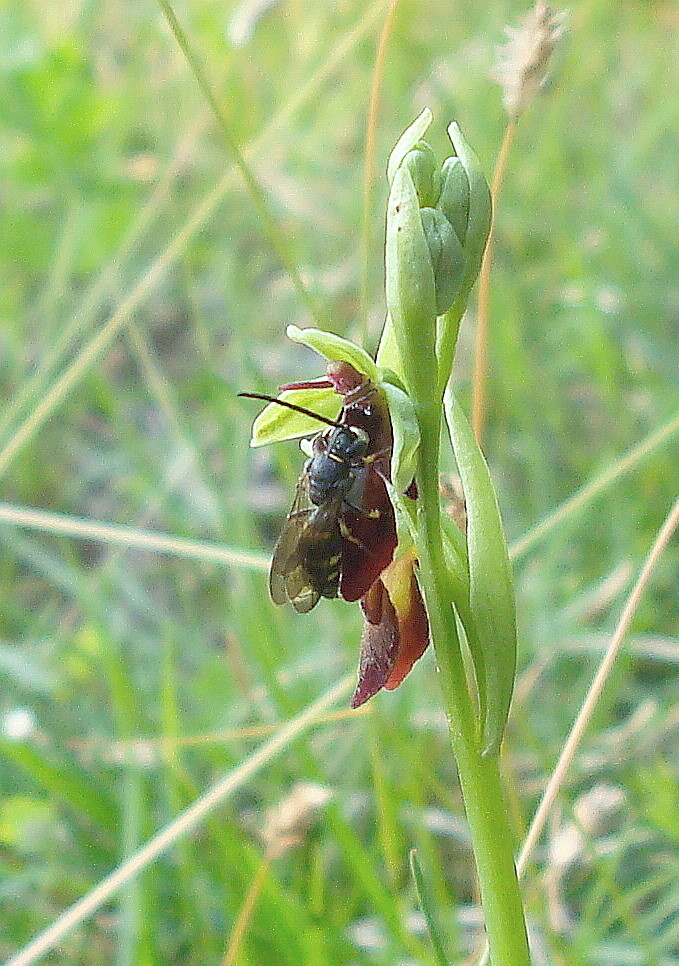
(396,627)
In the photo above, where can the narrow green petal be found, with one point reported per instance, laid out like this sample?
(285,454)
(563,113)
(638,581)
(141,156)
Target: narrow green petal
(491,590)
(388,356)
(335,348)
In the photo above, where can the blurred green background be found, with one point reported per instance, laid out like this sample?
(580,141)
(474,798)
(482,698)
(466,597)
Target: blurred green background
(139,294)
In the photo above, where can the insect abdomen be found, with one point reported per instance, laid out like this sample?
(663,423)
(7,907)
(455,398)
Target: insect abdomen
(322,562)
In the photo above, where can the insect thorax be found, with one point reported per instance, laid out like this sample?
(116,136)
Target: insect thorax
(336,455)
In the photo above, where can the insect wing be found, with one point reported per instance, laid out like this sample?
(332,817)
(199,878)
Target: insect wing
(321,554)
(287,577)
(307,559)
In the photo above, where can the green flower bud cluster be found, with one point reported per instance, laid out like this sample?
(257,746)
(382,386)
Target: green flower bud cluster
(443,196)
(454,196)
(438,218)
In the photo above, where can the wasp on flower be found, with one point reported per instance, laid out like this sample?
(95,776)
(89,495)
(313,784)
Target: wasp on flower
(355,529)
(340,536)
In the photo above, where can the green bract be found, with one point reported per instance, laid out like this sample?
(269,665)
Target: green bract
(410,286)
(450,206)
(491,590)
(479,208)
(466,202)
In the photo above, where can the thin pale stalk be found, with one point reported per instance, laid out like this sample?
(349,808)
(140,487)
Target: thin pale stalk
(245,913)
(369,166)
(481,337)
(273,232)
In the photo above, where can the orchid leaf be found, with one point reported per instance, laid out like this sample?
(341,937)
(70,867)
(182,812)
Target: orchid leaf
(491,591)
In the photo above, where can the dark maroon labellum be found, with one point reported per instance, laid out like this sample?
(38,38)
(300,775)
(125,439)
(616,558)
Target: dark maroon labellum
(340,537)
(340,533)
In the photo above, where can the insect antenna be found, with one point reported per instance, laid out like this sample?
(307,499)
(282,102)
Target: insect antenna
(289,405)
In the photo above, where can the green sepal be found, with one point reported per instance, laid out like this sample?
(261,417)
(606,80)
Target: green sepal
(423,167)
(453,200)
(405,432)
(335,348)
(275,423)
(447,258)
(480,209)
(410,289)
(407,142)
(491,590)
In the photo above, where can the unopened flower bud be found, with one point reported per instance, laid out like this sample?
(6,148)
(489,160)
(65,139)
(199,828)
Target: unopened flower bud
(453,199)
(446,254)
(422,165)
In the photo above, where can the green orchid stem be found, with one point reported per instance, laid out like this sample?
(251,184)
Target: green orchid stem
(479,775)
(449,327)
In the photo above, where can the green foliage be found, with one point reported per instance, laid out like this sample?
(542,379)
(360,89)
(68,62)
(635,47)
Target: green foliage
(145,676)
(491,588)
